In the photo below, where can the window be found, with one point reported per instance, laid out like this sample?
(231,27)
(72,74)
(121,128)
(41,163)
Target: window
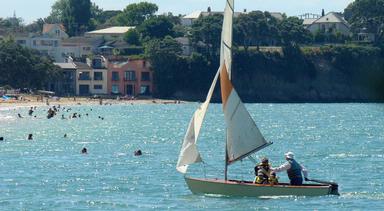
(56,43)
(98,87)
(97,63)
(34,43)
(46,42)
(115,89)
(21,42)
(130,75)
(115,76)
(84,76)
(98,76)
(145,90)
(145,76)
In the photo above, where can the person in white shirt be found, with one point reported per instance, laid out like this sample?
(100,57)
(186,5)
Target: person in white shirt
(293,169)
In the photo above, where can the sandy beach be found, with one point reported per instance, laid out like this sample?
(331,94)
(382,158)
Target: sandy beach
(34,100)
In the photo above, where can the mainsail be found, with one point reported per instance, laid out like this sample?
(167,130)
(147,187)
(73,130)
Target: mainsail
(243,136)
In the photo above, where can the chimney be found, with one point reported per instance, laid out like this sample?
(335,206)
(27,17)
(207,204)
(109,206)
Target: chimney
(245,10)
(209,9)
(322,13)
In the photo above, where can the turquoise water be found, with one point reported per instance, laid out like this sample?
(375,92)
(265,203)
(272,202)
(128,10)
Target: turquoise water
(339,142)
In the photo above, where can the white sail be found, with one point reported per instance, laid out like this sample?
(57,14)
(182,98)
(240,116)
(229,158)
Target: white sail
(226,37)
(189,153)
(243,136)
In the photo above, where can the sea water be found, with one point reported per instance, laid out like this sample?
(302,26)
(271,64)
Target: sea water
(335,142)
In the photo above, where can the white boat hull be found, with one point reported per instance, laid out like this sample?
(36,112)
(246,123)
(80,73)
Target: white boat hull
(242,188)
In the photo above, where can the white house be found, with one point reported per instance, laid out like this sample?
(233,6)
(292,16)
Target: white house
(48,43)
(330,23)
(92,77)
(112,33)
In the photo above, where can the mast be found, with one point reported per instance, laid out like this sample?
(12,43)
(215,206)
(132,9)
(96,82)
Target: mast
(226,158)
(226,59)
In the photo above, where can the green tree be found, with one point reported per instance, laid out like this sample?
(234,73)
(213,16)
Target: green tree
(21,67)
(57,12)
(136,14)
(156,27)
(74,14)
(206,34)
(255,28)
(167,65)
(292,32)
(367,15)
(132,37)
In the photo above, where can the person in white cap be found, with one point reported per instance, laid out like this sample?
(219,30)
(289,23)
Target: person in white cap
(293,169)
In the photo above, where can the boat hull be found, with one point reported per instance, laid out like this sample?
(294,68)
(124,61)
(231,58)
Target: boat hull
(242,188)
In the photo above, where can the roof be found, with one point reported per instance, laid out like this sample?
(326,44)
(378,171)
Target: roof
(194,15)
(182,40)
(309,21)
(81,65)
(66,65)
(112,30)
(277,15)
(48,27)
(331,17)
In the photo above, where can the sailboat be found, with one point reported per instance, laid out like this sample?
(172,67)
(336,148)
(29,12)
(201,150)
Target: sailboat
(243,138)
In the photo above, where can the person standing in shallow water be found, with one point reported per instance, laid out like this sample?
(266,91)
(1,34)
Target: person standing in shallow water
(30,137)
(294,170)
(84,151)
(30,112)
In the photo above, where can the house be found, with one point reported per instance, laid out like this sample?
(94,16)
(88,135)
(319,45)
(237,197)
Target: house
(48,43)
(55,30)
(111,33)
(92,77)
(185,45)
(129,77)
(66,86)
(330,23)
(80,47)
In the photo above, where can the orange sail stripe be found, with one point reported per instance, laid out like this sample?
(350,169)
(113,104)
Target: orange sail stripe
(226,85)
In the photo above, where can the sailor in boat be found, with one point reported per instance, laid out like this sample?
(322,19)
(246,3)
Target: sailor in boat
(273,179)
(293,169)
(262,171)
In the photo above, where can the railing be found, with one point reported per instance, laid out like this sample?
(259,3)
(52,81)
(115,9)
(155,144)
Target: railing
(83,78)
(130,79)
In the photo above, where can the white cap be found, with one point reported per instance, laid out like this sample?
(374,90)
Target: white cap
(289,155)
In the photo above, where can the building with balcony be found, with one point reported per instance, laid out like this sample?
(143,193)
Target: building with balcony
(129,77)
(66,86)
(92,77)
(48,43)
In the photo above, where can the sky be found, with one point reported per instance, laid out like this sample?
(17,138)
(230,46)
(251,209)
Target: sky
(31,10)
